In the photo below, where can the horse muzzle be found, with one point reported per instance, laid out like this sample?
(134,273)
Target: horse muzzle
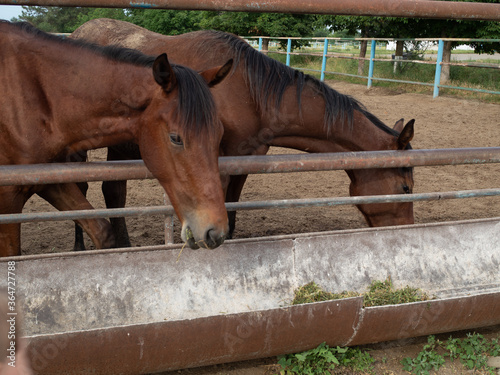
(210,239)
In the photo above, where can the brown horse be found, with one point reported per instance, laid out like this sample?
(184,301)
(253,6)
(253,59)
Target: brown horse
(63,96)
(264,103)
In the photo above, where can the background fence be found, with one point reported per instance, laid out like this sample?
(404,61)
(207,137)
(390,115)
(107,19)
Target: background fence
(326,44)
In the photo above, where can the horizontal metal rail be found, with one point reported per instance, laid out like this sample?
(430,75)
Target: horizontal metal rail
(246,206)
(382,8)
(53,173)
(351,39)
(97,171)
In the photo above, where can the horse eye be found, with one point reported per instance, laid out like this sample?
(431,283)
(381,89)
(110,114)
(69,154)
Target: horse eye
(406,189)
(176,139)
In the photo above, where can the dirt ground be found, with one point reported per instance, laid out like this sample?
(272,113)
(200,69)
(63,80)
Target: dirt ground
(443,122)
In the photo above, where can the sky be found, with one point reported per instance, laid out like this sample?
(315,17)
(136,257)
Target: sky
(9,11)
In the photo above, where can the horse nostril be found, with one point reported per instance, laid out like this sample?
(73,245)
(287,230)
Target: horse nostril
(213,239)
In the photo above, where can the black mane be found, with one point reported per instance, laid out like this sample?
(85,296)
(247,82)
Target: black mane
(268,79)
(195,105)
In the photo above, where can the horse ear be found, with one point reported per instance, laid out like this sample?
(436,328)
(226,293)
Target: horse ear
(406,135)
(216,75)
(398,126)
(163,73)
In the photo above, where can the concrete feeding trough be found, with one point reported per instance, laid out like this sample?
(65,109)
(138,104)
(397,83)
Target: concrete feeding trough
(133,311)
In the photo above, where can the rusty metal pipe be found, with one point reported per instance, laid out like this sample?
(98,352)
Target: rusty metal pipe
(381,8)
(246,206)
(357,160)
(54,173)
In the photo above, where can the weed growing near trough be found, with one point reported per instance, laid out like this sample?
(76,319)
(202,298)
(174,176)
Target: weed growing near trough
(472,351)
(320,360)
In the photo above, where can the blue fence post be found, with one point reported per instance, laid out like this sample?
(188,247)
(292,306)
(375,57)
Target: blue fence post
(288,50)
(260,44)
(323,64)
(437,77)
(370,68)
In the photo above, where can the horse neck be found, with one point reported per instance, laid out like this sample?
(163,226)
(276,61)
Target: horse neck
(303,128)
(108,97)
(361,135)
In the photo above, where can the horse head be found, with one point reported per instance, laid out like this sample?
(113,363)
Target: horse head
(179,141)
(387,182)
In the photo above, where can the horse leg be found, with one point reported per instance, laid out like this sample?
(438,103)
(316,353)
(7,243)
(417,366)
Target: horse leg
(10,239)
(115,195)
(79,242)
(12,201)
(233,193)
(83,186)
(115,192)
(235,185)
(68,197)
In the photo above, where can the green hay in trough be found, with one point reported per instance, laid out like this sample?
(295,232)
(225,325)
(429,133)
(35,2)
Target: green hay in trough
(380,293)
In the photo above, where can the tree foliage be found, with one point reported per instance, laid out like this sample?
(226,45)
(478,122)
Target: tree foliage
(93,13)
(390,27)
(169,22)
(53,19)
(262,24)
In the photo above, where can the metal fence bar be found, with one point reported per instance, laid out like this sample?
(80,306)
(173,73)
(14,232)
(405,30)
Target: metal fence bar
(381,8)
(244,206)
(323,63)
(437,77)
(288,50)
(370,69)
(468,89)
(53,173)
(370,39)
(169,220)
(401,81)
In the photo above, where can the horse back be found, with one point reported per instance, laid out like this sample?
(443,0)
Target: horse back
(106,31)
(194,49)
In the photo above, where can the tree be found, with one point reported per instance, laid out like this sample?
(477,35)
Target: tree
(53,19)
(168,22)
(369,27)
(420,28)
(93,13)
(461,29)
(261,24)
